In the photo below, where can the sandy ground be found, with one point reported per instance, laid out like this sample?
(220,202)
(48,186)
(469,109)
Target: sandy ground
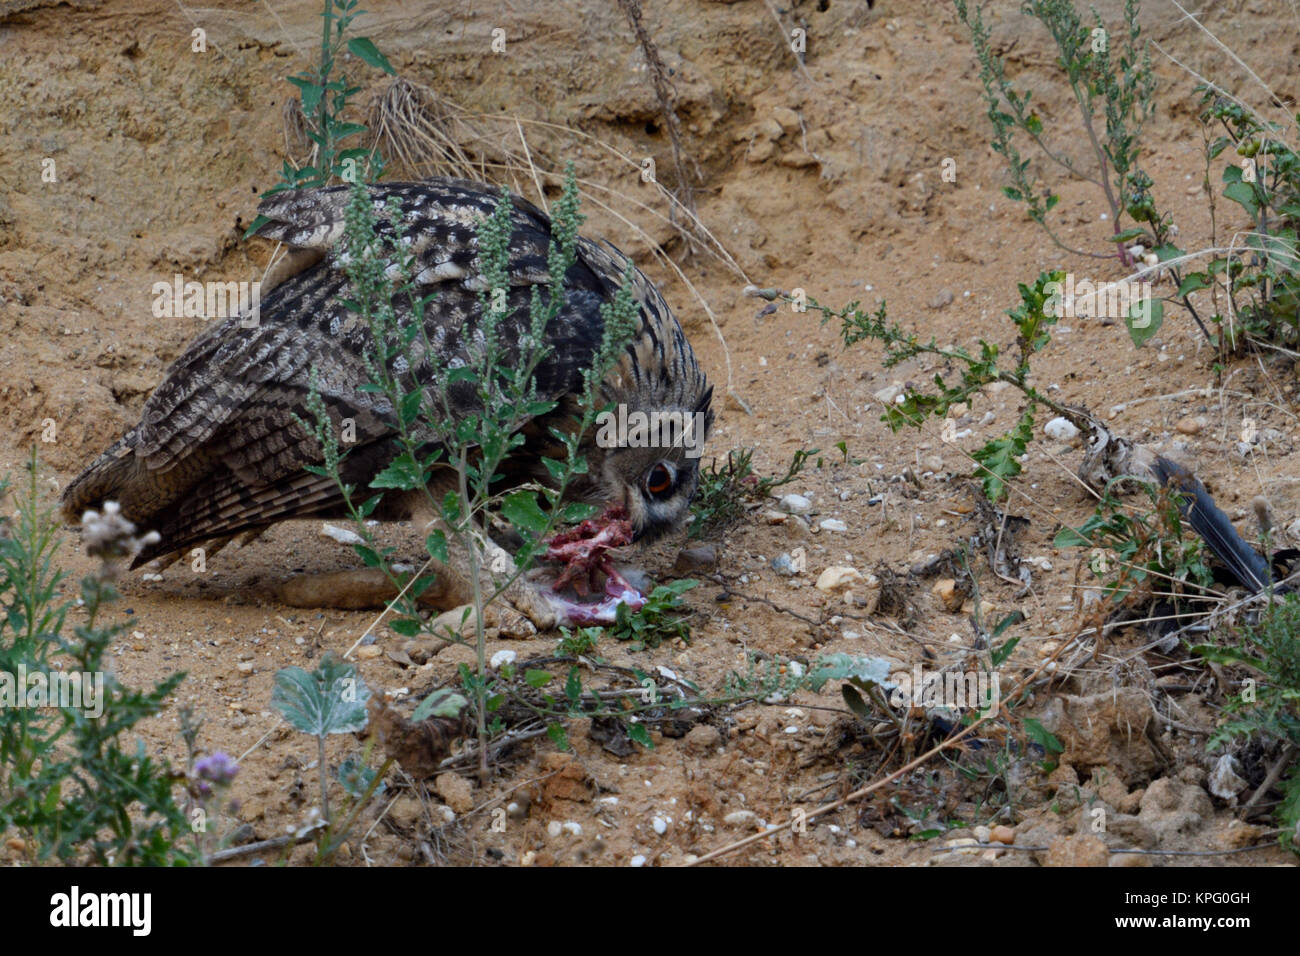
(825,177)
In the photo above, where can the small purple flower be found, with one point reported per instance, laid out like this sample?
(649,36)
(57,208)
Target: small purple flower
(217,768)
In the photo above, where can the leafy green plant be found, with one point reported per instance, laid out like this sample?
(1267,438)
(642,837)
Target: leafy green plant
(1268,705)
(1109,75)
(725,489)
(1138,550)
(472,446)
(999,460)
(324,94)
(658,620)
(331,700)
(71,785)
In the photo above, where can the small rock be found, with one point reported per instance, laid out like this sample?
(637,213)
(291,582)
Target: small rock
(741,818)
(659,825)
(795,505)
(245,668)
(1061,429)
(833,524)
(889,394)
(836,578)
(501,658)
(1223,780)
(702,558)
(945,589)
(455,791)
(638,860)
(368,652)
(942,299)
(1191,425)
(703,739)
(341,535)
(783,564)
(1002,834)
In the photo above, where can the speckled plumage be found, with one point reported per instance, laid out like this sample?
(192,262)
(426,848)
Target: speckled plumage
(217,451)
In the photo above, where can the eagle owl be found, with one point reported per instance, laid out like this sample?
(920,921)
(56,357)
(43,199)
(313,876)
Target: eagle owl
(218,451)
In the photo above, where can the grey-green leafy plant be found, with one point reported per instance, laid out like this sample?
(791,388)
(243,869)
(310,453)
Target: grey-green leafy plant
(329,700)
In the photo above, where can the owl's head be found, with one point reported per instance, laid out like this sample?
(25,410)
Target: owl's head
(651,464)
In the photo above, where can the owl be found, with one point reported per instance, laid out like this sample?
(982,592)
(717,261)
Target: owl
(221,452)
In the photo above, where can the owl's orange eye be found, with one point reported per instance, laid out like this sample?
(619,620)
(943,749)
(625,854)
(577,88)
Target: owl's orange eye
(659,480)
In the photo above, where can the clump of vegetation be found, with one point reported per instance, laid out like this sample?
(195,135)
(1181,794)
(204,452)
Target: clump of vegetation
(74,787)
(726,489)
(1267,707)
(1138,553)
(1109,75)
(999,460)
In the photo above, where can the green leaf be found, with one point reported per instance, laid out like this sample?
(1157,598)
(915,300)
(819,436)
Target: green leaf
(365,50)
(441,703)
(558,735)
(868,670)
(1144,319)
(1070,538)
(1127,235)
(521,510)
(403,473)
(436,545)
(329,700)
(1043,737)
(638,733)
(1244,195)
(1192,282)
(537,678)
(573,686)
(855,701)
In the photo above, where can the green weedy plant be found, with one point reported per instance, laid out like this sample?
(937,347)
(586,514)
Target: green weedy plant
(1268,705)
(324,94)
(1109,75)
(999,460)
(70,785)
(476,445)
(726,488)
(1150,551)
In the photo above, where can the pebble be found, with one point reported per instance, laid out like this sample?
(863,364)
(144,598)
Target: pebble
(638,860)
(942,299)
(833,524)
(702,558)
(341,535)
(795,504)
(1191,425)
(660,825)
(945,589)
(783,564)
(1061,429)
(501,658)
(368,652)
(1002,834)
(837,578)
(741,818)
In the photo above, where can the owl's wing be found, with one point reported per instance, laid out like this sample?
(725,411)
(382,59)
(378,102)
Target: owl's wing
(218,449)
